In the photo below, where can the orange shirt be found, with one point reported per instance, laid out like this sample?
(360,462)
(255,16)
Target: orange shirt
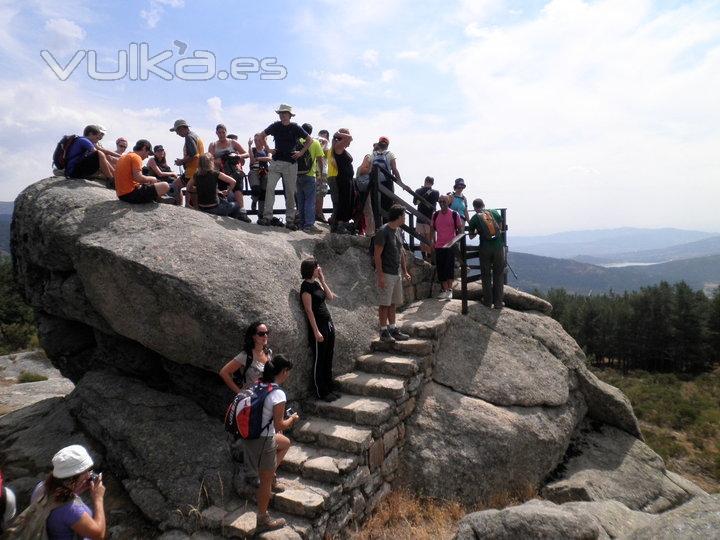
(124,182)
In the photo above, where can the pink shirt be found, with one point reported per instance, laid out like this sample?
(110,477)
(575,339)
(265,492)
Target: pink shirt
(445,226)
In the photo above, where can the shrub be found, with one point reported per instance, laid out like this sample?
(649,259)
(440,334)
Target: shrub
(29,376)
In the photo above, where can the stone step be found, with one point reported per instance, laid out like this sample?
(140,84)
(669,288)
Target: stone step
(241,522)
(388,363)
(304,497)
(321,464)
(333,434)
(428,318)
(372,384)
(417,347)
(367,411)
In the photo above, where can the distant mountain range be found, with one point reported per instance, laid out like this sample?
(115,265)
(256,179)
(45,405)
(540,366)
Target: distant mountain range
(543,273)
(699,248)
(610,245)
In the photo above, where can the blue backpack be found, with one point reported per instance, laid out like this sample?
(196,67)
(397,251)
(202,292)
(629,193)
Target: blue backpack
(243,418)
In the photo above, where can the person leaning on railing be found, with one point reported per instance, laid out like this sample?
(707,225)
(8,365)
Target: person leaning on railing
(492,253)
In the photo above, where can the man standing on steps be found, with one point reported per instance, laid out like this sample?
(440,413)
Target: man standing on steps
(492,253)
(389,258)
(284,163)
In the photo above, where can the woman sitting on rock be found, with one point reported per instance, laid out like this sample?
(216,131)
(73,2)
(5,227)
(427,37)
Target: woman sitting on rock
(71,476)
(321,332)
(157,165)
(247,366)
(268,451)
(205,183)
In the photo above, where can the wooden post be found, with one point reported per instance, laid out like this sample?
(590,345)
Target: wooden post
(412,236)
(503,227)
(463,275)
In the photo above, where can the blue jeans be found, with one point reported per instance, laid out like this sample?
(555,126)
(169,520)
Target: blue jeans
(306,200)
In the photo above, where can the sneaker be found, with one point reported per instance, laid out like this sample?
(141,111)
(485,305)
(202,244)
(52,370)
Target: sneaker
(244,217)
(291,226)
(266,523)
(499,306)
(276,488)
(397,335)
(386,336)
(442,295)
(312,229)
(320,218)
(448,295)
(265,222)
(276,222)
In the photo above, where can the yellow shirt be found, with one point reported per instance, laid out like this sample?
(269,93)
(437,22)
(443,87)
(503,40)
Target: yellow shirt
(191,166)
(332,165)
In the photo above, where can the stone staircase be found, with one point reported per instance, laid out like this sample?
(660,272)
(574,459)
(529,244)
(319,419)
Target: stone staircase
(346,453)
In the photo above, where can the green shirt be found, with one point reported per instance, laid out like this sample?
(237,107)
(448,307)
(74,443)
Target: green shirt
(474,228)
(315,151)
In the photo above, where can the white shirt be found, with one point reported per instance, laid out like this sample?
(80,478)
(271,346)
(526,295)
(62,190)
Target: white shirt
(275,397)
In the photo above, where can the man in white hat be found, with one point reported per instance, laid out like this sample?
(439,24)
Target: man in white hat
(86,157)
(284,164)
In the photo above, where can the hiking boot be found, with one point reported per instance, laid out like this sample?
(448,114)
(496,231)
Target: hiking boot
(265,222)
(266,523)
(499,306)
(276,222)
(319,218)
(244,217)
(397,335)
(386,336)
(291,226)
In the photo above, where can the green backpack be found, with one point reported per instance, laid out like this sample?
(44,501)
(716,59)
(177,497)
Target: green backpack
(31,524)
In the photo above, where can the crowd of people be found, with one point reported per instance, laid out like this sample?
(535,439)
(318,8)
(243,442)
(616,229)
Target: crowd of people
(214,182)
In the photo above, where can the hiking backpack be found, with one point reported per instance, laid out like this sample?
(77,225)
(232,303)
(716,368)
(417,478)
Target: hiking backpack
(305,161)
(61,151)
(380,159)
(489,228)
(32,522)
(243,418)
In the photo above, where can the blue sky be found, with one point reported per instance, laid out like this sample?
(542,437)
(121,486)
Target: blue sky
(573,114)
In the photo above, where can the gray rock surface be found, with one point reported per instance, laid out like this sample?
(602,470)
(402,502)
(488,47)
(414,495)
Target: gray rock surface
(454,439)
(609,464)
(544,519)
(169,454)
(512,298)
(15,396)
(695,520)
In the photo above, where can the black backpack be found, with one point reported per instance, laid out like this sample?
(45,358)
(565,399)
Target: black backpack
(305,161)
(61,151)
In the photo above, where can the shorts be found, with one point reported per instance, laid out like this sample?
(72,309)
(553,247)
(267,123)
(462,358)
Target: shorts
(87,166)
(146,193)
(392,294)
(445,263)
(261,453)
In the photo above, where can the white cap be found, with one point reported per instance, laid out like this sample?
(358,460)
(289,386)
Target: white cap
(70,461)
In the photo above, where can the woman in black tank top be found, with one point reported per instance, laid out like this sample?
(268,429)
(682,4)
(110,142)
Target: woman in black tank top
(205,183)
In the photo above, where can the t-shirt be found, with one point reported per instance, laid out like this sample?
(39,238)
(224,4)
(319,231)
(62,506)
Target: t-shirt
(81,147)
(207,186)
(431,196)
(474,228)
(344,165)
(315,151)
(124,182)
(194,147)
(61,520)
(317,295)
(286,139)
(445,225)
(331,164)
(254,371)
(391,241)
(273,398)
(459,204)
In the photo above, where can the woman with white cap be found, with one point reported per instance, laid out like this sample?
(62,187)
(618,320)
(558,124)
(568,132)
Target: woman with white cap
(70,517)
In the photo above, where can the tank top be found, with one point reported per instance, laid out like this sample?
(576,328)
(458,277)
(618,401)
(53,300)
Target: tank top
(257,165)
(207,185)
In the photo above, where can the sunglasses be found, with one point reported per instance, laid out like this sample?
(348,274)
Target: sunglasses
(262,334)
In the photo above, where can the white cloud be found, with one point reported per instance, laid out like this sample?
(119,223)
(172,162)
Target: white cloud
(408,55)
(370,57)
(65,29)
(216,109)
(337,83)
(154,13)
(388,75)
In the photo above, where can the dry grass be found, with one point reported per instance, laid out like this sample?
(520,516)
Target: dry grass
(406,516)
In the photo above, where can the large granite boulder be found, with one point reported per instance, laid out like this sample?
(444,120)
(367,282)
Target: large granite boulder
(181,284)
(509,390)
(695,520)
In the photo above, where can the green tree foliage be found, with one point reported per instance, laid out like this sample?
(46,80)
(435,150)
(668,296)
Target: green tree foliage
(659,328)
(17,322)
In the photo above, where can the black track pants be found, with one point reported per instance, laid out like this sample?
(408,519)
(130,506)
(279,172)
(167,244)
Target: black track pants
(322,366)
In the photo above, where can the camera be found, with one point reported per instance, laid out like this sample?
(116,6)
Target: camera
(94,477)
(289,412)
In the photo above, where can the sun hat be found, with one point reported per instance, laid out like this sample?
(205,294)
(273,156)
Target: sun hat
(178,124)
(285,108)
(70,461)
(460,182)
(96,128)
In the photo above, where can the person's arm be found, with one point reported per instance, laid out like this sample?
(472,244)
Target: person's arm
(140,178)
(228,180)
(107,152)
(393,168)
(279,421)
(93,527)
(366,165)
(190,152)
(307,304)
(191,185)
(329,295)
(152,165)
(378,264)
(472,229)
(459,224)
(240,150)
(226,374)
(344,141)
(299,153)
(403,264)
